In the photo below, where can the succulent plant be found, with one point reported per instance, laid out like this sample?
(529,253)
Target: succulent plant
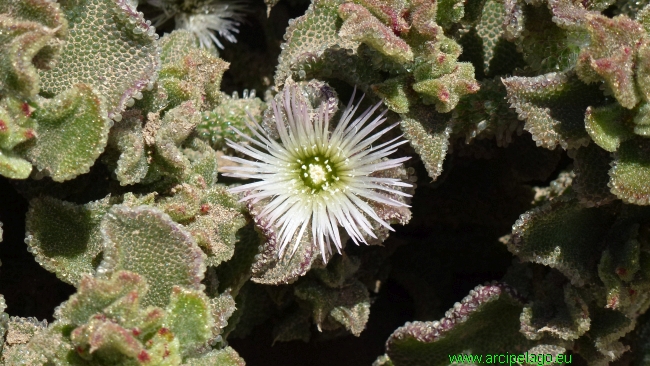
(186,220)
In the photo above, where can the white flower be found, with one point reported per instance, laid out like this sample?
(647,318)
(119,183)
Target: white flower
(221,17)
(317,178)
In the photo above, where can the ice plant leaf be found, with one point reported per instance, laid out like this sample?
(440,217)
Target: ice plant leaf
(94,295)
(72,131)
(175,127)
(215,228)
(309,35)
(484,322)
(359,25)
(15,128)
(608,126)
(146,241)
(630,173)
(611,56)
(189,318)
(446,90)
(564,315)
(127,138)
(109,46)
(64,237)
(214,126)
(485,114)
(223,357)
(31,35)
(428,133)
(564,235)
(270,267)
(174,46)
(317,179)
(348,305)
(591,165)
(553,106)
(194,77)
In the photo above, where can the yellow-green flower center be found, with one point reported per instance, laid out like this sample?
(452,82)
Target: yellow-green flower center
(317,173)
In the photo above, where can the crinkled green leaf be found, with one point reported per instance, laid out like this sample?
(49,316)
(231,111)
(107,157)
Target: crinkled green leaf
(485,114)
(591,165)
(349,305)
(564,235)
(95,295)
(195,77)
(484,322)
(174,46)
(563,315)
(630,172)
(308,36)
(127,138)
(428,133)
(359,25)
(109,46)
(222,307)
(31,35)
(189,318)
(553,106)
(215,228)
(608,126)
(176,126)
(445,91)
(270,269)
(602,345)
(641,121)
(222,357)
(232,111)
(64,237)
(611,55)
(15,128)
(71,132)
(146,241)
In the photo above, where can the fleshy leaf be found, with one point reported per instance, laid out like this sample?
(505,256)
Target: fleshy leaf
(95,295)
(195,77)
(64,237)
(484,322)
(15,128)
(31,35)
(428,133)
(127,138)
(359,25)
(565,315)
(591,165)
(269,269)
(630,173)
(564,235)
(608,126)
(611,56)
(232,111)
(109,46)
(146,241)
(72,131)
(176,126)
(485,114)
(308,36)
(215,229)
(189,318)
(446,90)
(174,46)
(553,106)
(222,357)
(348,305)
